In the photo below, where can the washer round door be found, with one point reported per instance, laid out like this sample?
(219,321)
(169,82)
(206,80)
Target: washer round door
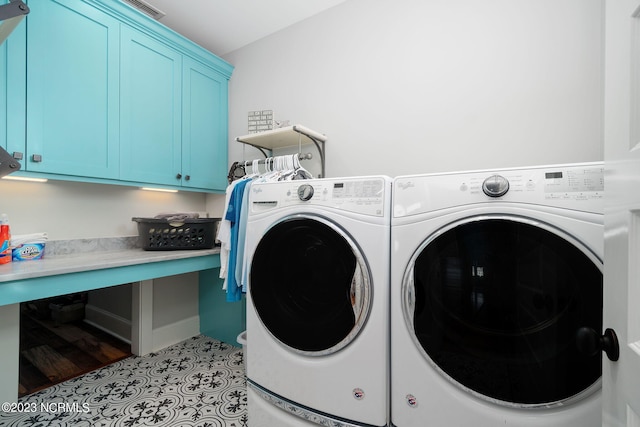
(495,303)
(310,285)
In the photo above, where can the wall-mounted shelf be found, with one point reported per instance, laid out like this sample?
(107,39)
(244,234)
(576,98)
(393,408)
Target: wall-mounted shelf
(286,137)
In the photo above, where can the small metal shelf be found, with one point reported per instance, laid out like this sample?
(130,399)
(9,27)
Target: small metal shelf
(286,137)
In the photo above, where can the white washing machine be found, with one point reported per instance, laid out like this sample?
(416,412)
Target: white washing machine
(318,301)
(494,275)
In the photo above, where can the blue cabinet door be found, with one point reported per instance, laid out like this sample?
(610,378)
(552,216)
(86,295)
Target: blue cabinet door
(13,91)
(204,127)
(150,110)
(72,97)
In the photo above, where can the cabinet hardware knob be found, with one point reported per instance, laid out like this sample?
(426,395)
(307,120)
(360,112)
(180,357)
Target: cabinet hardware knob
(188,177)
(37,158)
(17,155)
(178,176)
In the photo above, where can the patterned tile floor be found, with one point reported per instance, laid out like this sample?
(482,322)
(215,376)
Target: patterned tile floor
(198,382)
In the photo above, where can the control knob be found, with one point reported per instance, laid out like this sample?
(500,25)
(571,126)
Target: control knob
(495,186)
(305,192)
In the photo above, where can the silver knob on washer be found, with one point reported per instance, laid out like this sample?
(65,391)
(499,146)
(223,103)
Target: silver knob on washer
(495,186)
(305,192)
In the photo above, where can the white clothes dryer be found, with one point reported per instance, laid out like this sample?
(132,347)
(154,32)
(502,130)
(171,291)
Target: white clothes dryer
(493,276)
(317,299)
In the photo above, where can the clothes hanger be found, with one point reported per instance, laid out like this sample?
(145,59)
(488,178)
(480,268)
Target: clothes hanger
(300,172)
(288,168)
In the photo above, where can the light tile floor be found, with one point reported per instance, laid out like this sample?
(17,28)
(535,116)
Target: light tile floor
(198,382)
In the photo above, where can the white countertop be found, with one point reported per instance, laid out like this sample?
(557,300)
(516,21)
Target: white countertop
(87,261)
(80,265)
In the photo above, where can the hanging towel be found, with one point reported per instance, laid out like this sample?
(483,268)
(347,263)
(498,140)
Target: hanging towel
(241,263)
(224,236)
(234,212)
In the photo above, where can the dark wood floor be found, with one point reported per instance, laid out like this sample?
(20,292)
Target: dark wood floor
(53,352)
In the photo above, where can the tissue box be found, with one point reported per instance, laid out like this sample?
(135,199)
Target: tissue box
(28,252)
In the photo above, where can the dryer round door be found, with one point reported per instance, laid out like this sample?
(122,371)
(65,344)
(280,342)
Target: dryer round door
(310,285)
(495,303)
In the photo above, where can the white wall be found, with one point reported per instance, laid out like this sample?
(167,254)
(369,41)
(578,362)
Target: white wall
(74,210)
(176,302)
(414,86)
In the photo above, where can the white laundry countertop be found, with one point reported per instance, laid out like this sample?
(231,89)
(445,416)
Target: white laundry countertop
(54,264)
(99,262)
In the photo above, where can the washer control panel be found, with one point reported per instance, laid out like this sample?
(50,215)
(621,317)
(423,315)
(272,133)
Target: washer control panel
(572,183)
(579,187)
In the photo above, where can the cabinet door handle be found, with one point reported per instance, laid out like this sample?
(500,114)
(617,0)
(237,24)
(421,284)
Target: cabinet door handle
(188,177)
(17,155)
(36,158)
(178,176)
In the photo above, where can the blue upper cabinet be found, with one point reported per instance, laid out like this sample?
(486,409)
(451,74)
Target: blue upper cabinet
(111,95)
(72,96)
(173,116)
(204,98)
(12,91)
(150,110)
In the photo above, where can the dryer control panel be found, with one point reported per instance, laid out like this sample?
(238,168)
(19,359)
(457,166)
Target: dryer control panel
(579,187)
(364,195)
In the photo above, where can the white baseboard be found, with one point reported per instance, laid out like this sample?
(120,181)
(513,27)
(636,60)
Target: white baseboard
(108,322)
(173,333)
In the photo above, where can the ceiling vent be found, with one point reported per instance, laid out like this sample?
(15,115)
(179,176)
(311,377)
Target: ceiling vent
(145,7)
